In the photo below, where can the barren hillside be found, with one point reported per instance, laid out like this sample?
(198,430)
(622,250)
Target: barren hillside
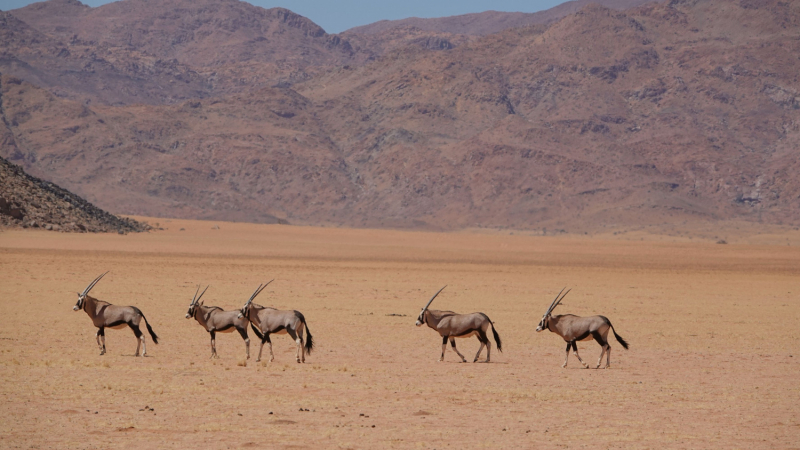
(661,114)
(29,202)
(489,22)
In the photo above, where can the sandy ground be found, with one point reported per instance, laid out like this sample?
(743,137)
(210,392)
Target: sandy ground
(714,359)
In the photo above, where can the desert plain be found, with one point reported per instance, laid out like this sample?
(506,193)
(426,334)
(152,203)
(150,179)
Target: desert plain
(714,360)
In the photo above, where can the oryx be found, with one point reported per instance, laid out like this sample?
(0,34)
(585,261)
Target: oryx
(105,315)
(215,319)
(450,325)
(265,321)
(573,328)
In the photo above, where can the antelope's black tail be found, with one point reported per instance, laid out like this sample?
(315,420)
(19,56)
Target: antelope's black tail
(150,329)
(496,336)
(309,339)
(619,338)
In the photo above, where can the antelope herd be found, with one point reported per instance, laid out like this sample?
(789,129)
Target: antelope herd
(265,321)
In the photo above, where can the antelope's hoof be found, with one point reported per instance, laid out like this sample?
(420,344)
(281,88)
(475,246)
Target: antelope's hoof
(258,360)
(563,366)
(585,366)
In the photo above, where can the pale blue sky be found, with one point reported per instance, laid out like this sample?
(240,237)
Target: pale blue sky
(338,15)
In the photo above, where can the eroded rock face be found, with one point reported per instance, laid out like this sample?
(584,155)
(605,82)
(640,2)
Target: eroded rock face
(667,113)
(29,202)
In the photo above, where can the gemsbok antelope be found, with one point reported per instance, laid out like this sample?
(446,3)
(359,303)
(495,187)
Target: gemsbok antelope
(573,328)
(216,320)
(105,315)
(450,325)
(265,321)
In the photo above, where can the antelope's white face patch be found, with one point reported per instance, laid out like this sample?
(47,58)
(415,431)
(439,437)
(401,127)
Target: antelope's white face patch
(420,319)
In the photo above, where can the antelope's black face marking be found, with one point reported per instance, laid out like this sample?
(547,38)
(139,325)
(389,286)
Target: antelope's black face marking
(243,312)
(78,306)
(421,318)
(190,312)
(542,324)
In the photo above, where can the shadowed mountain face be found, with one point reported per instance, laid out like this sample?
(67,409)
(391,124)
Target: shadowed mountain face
(682,112)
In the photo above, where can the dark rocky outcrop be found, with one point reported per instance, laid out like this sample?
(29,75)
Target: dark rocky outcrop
(29,202)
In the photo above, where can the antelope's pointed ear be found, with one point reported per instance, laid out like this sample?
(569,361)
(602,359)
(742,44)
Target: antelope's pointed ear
(201,303)
(79,294)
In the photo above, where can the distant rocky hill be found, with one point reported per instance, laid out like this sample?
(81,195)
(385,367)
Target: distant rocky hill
(666,113)
(29,202)
(165,51)
(488,22)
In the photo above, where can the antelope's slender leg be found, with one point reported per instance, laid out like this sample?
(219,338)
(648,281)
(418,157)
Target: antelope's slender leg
(575,351)
(478,355)
(144,346)
(243,333)
(213,344)
(297,341)
(603,343)
(139,337)
(267,340)
(608,356)
(566,358)
(101,337)
(444,347)
(300,328)
(600,360)
(453,344)
(488,346)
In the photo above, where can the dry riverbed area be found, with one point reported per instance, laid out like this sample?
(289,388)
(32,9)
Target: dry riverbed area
(714,331)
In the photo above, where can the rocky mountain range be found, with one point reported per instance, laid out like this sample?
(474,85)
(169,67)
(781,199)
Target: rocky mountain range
(489,22)
(661,113)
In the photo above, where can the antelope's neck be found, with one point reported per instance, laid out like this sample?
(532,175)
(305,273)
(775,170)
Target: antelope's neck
(90,306)
(432,319)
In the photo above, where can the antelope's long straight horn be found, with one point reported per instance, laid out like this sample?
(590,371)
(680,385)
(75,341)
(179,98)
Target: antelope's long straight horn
(253,295)
(204,291)
(550,308)
(194,298)
(91,285)
(434,296)
(559,301)
(258,291)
